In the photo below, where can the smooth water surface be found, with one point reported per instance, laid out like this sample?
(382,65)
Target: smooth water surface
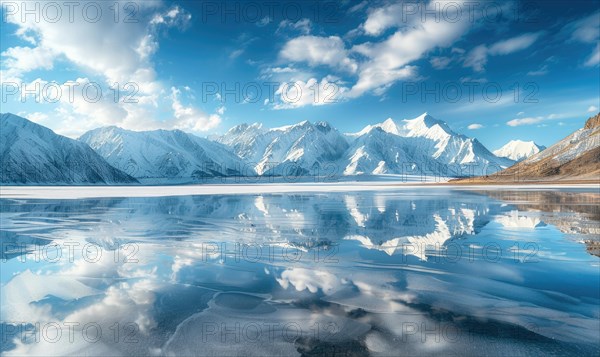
(414,272)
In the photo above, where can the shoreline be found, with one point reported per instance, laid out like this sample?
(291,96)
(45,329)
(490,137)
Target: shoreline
(460,182)
(83,192)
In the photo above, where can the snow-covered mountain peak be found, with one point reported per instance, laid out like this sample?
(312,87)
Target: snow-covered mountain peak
(160,154)
(19,122)
(302,124)
(411,146)
(426,119)
(14,119)
(422,126)
(300,148)
(244,127)
(425,126)
(575,158)
(323,124)
(34,154)
(389,126)
(112,130)
(518,150)
(418,145)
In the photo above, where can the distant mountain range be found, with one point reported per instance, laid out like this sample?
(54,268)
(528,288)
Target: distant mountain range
(111,155)
(575,158)
(296,150)
(518,150)
(423,145)
(33,154)
(158,154)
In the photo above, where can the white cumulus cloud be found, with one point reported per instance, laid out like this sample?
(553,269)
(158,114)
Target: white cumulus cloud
(379,64)
(191,118)
(525,121)
(316,50)
(474,126)
(104,52)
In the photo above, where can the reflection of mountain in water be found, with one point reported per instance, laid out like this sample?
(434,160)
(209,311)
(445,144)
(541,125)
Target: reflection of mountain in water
(377,221)
(412,225)
(571,212)
(407,224)
(514,220)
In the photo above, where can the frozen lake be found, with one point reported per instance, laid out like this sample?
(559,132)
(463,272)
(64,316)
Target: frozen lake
(383,271)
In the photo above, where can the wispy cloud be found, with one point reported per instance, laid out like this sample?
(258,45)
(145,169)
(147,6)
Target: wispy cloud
(587,30)
(514,44)
(542,71)
(594,58)
(303,26)
(440,62)
(535,120)
(477,58)
(190,118)
(380,63)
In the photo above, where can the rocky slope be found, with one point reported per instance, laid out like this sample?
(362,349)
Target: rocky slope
(574,158)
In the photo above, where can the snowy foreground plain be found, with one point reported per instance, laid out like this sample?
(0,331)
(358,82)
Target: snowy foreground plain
(78,192)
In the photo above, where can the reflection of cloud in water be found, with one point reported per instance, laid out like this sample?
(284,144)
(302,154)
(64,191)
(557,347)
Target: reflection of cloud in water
(257,329)
(309,279)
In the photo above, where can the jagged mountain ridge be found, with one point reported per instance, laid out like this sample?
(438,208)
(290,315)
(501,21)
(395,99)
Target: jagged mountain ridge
(423,145)
(34,154)
(164,153)
(299,149)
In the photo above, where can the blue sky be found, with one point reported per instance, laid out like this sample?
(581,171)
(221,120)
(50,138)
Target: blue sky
(495,70)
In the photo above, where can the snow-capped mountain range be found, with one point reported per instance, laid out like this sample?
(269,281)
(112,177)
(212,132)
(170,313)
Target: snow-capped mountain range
(419,146)
(518,150)
(300,149)
(423,145)
(34,154)
(164,153)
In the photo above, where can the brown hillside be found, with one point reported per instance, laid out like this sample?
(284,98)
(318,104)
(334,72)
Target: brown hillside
(585,167)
